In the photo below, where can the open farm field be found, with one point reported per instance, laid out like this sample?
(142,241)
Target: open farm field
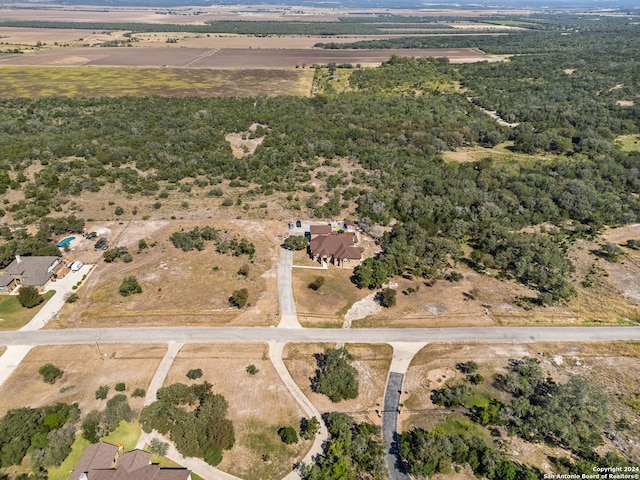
(192,57)
(610,365)
(200,14)
(38,82)
(372,362)
(188,288)
(258,405)
(85,369)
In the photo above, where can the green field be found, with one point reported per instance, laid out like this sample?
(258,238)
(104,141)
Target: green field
(74,82)
(14,315)
(628,143)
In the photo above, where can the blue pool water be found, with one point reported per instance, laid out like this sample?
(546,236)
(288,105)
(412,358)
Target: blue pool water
(65,242)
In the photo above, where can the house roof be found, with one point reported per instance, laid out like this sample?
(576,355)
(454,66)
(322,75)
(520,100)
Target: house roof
(97,456)
(35,271)
(5,279)
(100,461)
(339,246)
(319,229)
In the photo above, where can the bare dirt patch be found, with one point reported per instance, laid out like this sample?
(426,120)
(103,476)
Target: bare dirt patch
(372,363)
(258,405)
(625,103)
(84,371)
(188,288)
(242,144)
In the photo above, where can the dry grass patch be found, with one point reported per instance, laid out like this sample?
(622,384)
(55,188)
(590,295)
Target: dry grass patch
(327,305)
(188,288)
(476,300)
(502,152)
(258,405)
(372,362)
(84,371)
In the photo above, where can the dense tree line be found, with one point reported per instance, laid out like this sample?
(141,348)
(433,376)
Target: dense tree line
(195,238)
(354,450)
(392,126)
(335,376)
(45,434)
(97,424)
(429,452)
(203,431)
(574,415)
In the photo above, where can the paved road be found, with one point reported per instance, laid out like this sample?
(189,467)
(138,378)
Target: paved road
(288,316)
(403,353)
(275,355)
(361,335)
(390,426)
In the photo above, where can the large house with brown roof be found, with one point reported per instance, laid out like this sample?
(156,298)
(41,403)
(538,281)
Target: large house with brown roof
(338,248)
(33,271)
(103,461)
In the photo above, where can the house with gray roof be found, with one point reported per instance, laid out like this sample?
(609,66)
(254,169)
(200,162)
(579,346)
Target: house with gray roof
(103,461)
(7,283)
(34,271)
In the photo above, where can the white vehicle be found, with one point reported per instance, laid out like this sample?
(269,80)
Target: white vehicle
(75,266)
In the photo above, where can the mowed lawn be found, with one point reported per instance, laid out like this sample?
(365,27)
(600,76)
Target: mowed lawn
(39,82)
(13,315)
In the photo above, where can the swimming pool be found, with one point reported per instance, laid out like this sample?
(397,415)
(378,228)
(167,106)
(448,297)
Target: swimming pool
(65,242)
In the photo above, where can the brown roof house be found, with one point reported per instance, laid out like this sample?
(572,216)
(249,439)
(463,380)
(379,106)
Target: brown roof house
(103,461)
(337,248)
(34,271)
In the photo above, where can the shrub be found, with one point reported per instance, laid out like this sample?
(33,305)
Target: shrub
(129,286)
(239,298)
(335,376)
(138,393)
(252,369)
(29,297)
(142,244)
(244,270)
(467,367)
(454,276)
(317,283)
(101,392)
(227,202)
(610,252)
(296,242)
(158,447)
(288,435)
(72,298)
(194,373)
(120,387)
(50,373)
(119,211)
(387,297)
(308,428)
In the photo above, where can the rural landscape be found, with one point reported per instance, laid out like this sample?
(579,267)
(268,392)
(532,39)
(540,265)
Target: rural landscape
(311,241)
